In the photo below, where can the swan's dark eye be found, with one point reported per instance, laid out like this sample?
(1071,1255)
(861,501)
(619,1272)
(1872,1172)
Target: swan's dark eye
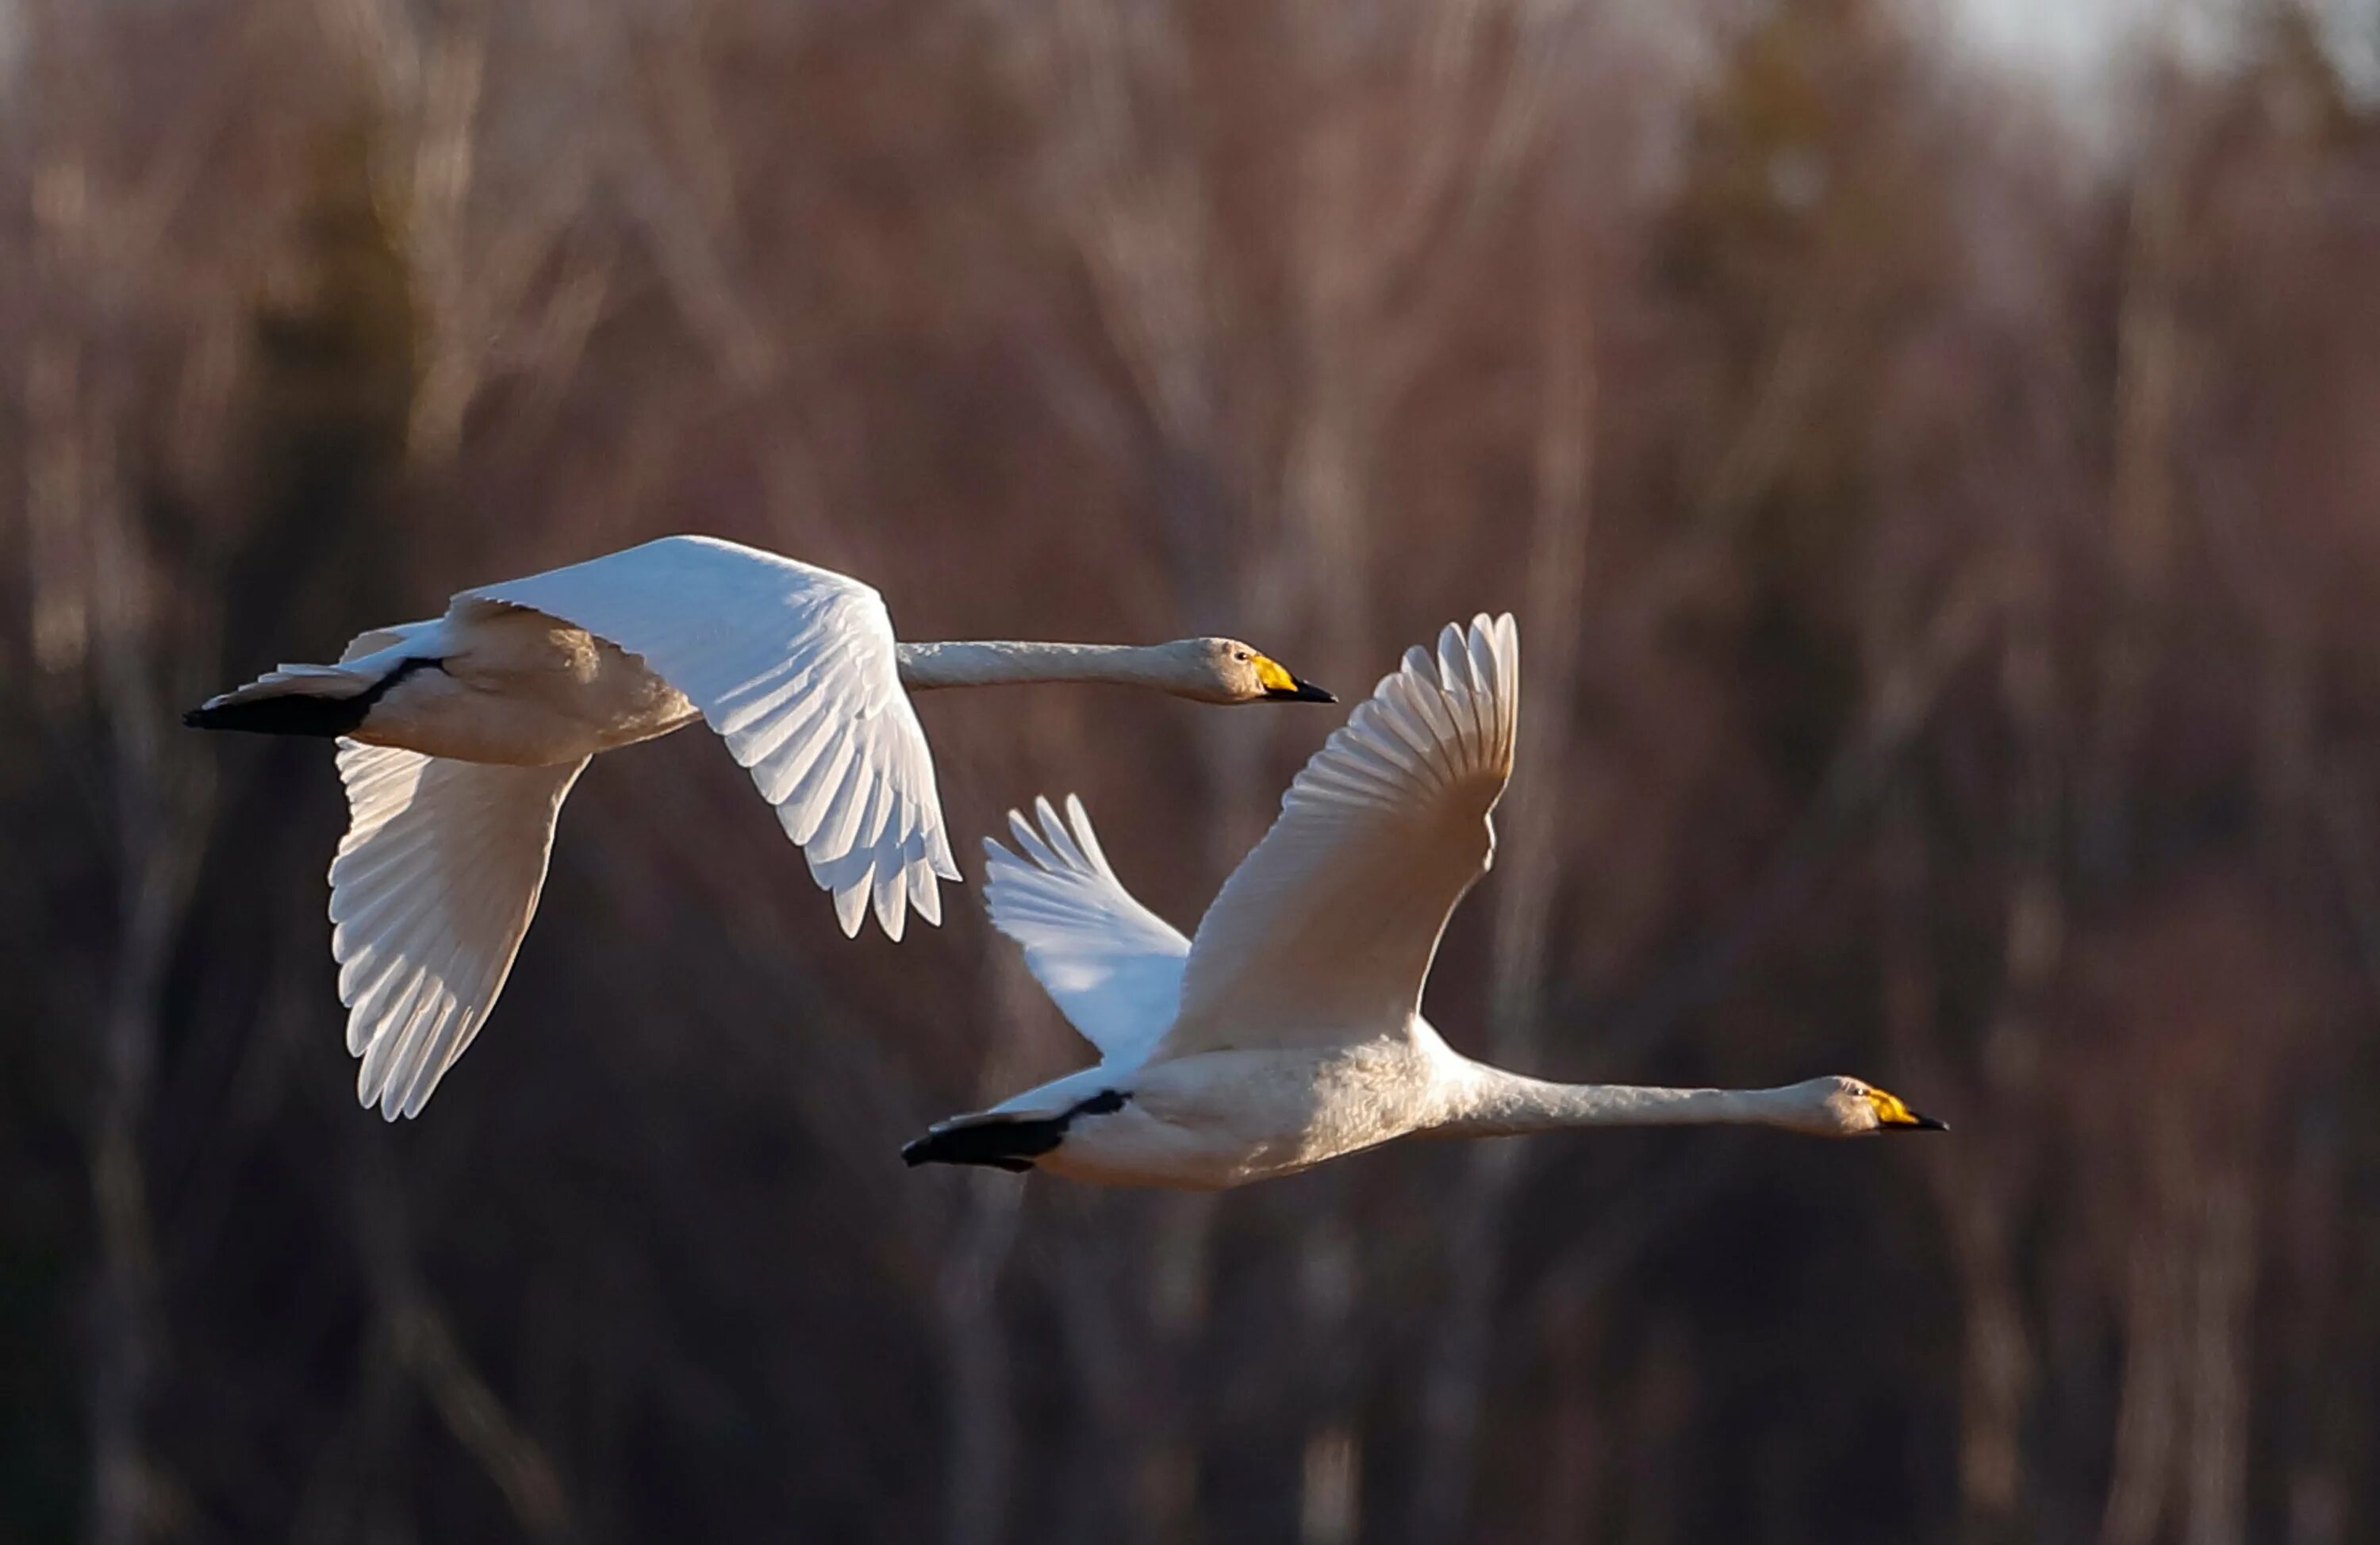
(1241,655)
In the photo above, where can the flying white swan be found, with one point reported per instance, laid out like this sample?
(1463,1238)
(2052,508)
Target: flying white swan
(1289,1030)
(458,737)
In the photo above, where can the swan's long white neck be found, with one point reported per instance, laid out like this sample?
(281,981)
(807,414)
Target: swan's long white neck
(1492,1102)
(995,662)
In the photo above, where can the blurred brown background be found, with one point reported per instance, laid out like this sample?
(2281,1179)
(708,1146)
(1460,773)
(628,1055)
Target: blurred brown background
(1942,504)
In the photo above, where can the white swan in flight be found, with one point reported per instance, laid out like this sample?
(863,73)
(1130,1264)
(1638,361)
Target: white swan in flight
(1289,1030)
(459,736)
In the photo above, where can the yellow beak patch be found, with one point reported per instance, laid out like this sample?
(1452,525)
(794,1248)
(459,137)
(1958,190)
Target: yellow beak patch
(1889,1110)
(1273,677)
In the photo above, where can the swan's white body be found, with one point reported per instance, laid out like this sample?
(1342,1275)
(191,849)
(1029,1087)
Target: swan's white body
(460,738)
(1289,1030)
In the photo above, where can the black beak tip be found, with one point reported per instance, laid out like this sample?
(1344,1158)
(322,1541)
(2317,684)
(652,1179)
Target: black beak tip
(1308,693)
(1927,1124)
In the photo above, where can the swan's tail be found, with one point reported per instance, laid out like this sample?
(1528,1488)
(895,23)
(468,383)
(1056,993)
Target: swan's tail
(322,700)
(1004,1142)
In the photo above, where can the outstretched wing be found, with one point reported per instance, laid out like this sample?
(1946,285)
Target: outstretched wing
(795,667)
(434,885)
(1325,932)
(1113,966)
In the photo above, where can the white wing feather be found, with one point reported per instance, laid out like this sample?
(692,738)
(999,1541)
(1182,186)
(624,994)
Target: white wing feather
(434,885)
(376,639)
(1325,932)
(797,669)
(1113,966)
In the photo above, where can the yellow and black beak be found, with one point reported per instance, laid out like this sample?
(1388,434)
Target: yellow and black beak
(1893,1115)
(1283,687)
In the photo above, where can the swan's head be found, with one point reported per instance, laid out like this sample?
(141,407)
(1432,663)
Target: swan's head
(1839,1107)
(1227,670)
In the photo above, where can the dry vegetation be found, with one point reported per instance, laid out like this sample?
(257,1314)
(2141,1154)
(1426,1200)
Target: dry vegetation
(1948,564)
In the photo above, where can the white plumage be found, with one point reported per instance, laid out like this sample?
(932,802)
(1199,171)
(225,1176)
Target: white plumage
(460,736)
(797,669)
(1112,966)
(433,888)
(1289,1030)
(1326,930)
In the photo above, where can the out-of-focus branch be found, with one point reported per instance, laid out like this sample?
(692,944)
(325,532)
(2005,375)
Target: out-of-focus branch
(436,226)
(475,253)
(975,1343)
(1896,712)
(692,257)
(1980,1203)
(2222,1283)
(1132,204)
(2154,1319)
(1996,1361)
(425,1343)
(2141,537)
(1781,408)
(1530,872)
(982,1436)
(422,1342)
(98,616)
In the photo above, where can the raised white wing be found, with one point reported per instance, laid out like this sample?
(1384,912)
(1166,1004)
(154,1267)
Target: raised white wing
(433,887)
(1113,966)
(1324,933)
(795,667)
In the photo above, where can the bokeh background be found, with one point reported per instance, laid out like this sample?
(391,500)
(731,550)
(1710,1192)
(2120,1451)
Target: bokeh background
(1934,451)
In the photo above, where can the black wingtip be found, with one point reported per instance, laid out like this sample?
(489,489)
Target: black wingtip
(319,715)
(293,713)
(1010,1143)
(999,1145)
(932,1149)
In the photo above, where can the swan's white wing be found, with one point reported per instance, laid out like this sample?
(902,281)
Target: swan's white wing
(379,639)
(434,884)
(1113,966)
(1324,933)
(795,667)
